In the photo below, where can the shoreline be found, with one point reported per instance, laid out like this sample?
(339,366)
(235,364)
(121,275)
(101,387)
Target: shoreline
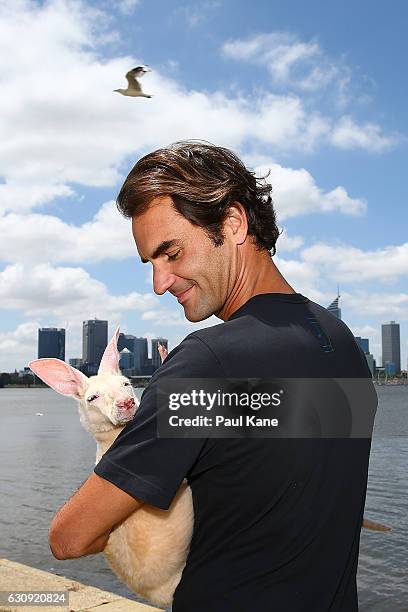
(20,581)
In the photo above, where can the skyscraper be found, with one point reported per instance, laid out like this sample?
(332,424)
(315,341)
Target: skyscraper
(138,348)
(126,341)
(156,359)
(334,307)
(76,362)
(125,360)
(363,342)
(94,340)
(370,362)
(140,353)
(51,343)
(391,350)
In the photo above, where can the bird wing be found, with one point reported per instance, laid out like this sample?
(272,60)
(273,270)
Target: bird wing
(132,80)
(140,71)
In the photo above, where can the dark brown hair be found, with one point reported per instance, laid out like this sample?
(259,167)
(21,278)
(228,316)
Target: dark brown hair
(203,180)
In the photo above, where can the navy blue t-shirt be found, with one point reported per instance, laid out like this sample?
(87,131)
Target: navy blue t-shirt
(277,521)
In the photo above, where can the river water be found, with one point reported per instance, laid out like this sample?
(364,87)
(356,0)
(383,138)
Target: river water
(44,459)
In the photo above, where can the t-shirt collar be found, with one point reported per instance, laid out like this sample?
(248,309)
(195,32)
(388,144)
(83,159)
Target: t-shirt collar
(261,298)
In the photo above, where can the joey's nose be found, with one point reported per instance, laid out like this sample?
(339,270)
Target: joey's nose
(128,403)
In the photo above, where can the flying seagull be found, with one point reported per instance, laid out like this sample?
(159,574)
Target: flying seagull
(134,89)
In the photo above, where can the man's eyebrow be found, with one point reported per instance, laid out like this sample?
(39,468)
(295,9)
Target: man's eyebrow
(163,246)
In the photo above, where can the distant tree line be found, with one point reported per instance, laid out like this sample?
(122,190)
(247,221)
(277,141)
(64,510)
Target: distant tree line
(27,380)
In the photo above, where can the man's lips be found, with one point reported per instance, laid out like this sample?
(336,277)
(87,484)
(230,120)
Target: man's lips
(181,297)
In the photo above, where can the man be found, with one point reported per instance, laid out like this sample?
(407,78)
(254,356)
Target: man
(277,521)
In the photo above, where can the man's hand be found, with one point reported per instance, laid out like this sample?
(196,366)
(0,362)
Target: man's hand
(82,526)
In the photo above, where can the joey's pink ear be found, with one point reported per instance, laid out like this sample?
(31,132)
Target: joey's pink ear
(162,351)
(60,376)
(110,358)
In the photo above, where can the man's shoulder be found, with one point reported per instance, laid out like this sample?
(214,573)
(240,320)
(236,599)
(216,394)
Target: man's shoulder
(199,353)
(195,356)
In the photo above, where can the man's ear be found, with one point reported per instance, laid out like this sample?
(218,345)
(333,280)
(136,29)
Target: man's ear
(236,222)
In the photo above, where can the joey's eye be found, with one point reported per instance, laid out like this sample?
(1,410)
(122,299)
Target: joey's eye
(127,384)
(174,256)
(92,398)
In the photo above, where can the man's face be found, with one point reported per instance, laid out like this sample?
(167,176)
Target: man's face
(185,260)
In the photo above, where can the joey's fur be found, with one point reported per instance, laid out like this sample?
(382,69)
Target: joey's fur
(148,550)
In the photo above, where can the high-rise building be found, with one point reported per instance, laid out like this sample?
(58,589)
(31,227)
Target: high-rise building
(391,349)
(156,359)
(51,343)
(334,307)
(364,343)
(94,340)
(140,353)
(125,359)
(76,362)
(138,347)
(126,341)
(370,362)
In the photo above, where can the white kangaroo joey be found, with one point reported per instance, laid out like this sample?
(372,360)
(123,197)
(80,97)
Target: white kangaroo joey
(148,550)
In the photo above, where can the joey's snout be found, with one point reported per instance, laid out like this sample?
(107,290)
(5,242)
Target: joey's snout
(125,409)
(126,404)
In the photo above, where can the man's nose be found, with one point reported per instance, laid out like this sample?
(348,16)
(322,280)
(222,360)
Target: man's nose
(162,280)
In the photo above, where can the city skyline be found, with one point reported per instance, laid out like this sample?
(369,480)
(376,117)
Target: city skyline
(306,95)
(133,350)
(129,342)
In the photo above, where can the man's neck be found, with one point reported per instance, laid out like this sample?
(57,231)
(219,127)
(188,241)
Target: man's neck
(264,277)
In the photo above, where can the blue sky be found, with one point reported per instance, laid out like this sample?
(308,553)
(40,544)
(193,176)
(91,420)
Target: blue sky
(313,91)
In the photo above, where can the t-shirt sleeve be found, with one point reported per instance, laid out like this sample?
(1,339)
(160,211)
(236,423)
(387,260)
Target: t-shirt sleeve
(140,462)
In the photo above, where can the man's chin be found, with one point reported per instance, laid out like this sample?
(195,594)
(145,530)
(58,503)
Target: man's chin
(195,317)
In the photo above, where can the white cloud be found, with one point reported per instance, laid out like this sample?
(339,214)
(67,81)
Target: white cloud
(385,305)
(285,122)
(197,13)
(34,237)
(348,263)
(169,317)
(304,66)
(289,60)
(18,346)
(63,126)
(347,134)
(126,7)
(374,336)
(289,243)
(295,193)
(21,194)
(366,331)
(302,276)
(65,294)
(165,317)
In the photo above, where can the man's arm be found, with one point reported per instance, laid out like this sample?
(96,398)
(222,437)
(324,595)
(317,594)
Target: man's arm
(82,526)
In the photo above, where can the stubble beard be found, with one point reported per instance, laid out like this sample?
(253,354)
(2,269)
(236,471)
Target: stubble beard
(201,311)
